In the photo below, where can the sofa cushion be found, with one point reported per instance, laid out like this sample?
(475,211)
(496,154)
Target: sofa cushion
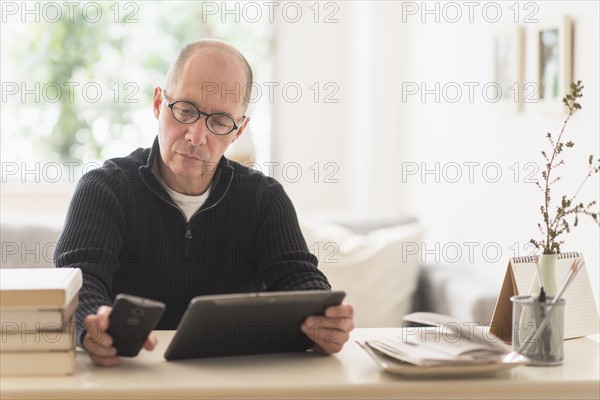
(378,271)
(28,243)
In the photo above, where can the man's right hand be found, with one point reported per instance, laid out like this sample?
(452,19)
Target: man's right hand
(98,343)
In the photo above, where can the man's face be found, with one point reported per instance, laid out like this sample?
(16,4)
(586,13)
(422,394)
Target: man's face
(190,152)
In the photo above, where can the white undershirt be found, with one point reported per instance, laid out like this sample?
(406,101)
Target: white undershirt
(188,204)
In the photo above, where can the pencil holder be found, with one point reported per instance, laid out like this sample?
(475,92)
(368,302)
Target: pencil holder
(538,330)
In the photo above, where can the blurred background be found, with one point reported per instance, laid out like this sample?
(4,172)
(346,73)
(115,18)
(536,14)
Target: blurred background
(373,109)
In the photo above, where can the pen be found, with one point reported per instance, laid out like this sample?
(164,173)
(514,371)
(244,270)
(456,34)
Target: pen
(540,312)
(540,315)
(539,308)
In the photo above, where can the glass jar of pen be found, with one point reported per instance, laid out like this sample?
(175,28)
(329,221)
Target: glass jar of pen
(538,329)
(538,321)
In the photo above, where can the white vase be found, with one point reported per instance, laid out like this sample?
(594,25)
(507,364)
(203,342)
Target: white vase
(548,268)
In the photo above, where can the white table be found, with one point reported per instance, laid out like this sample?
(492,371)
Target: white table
(350,374)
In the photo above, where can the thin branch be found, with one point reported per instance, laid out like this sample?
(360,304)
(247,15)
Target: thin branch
(592,170)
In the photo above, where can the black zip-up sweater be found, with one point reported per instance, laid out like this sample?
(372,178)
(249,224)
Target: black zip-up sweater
(127,236)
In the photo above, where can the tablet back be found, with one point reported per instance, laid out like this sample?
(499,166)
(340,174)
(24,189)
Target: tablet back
(254,323)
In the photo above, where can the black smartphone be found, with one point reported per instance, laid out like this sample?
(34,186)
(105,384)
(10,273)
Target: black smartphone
(131,321)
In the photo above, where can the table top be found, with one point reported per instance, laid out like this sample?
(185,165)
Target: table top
(349,374)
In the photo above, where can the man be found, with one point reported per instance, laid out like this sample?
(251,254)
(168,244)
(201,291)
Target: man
(180,220)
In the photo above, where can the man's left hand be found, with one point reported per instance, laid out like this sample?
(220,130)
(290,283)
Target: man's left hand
(330,331)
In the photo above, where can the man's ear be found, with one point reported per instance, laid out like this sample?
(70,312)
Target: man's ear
(157,101)
(240,130)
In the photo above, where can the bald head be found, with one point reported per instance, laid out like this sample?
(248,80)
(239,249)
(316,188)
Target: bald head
(208,46)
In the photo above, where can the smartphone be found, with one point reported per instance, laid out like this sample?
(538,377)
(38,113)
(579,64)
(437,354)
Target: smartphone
(131,321)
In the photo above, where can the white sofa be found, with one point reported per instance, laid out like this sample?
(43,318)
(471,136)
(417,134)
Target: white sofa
(363,256)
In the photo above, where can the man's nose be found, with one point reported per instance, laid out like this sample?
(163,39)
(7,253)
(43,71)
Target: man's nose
(197,133)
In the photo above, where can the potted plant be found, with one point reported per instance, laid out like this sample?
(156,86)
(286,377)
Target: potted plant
(558,219)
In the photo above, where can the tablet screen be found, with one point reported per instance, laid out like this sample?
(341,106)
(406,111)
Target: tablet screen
(250,323)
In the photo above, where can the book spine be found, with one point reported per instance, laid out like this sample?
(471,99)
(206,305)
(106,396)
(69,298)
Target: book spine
(13,322)
(27,341)
(14,319)
(38,363)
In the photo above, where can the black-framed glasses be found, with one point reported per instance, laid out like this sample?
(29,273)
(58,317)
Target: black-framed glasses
(187,113)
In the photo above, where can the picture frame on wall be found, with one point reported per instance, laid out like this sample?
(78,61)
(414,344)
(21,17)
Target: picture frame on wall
(509,66)
(554,44)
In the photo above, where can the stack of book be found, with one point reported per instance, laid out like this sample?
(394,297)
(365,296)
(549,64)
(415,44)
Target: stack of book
(37,316)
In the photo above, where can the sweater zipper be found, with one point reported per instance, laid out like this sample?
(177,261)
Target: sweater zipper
(188,227)
(188,240)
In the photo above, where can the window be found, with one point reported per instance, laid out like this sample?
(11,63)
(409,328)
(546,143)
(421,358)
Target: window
(78,79)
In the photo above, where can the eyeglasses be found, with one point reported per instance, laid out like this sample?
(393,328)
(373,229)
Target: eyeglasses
(187,113)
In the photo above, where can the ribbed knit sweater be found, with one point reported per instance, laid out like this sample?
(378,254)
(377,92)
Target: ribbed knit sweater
(127,236)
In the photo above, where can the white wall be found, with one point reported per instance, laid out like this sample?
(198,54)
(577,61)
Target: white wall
(370,53)
(348,55)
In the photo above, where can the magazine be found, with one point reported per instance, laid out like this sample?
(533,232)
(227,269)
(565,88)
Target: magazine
(441,340)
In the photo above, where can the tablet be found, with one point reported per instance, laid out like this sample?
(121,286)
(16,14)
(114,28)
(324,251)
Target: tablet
(250,323)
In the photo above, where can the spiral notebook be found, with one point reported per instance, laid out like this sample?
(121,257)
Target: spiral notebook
(581,314)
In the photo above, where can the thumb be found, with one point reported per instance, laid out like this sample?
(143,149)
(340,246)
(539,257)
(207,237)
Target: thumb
(150,342)
(97,324)
(102,317)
